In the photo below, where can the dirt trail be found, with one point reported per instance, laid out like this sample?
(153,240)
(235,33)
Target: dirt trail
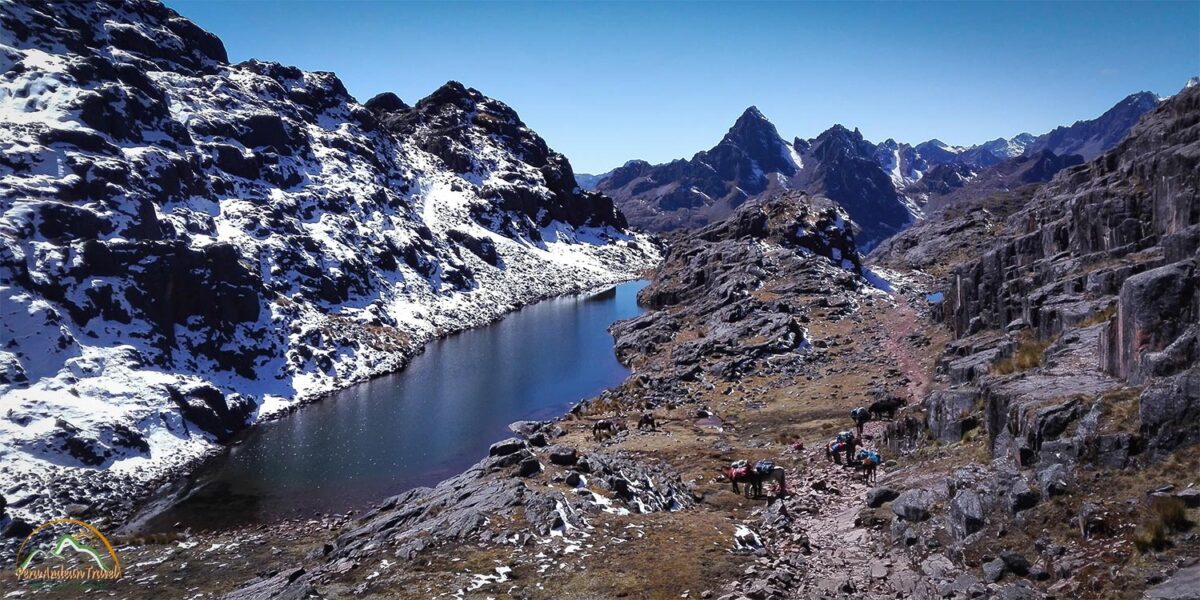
(902,322)
(840,558)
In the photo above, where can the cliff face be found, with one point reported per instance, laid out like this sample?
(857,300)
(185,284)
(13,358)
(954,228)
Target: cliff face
(187,244)
(1101,267)
(1132,209)
(1075,368)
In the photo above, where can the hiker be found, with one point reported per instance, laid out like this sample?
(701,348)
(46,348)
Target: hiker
(868,460)
(860,416)
(844,442)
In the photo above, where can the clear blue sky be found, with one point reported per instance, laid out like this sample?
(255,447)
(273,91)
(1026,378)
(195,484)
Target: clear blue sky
(607,82)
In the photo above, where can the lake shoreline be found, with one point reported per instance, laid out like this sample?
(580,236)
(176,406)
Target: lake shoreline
(162,494)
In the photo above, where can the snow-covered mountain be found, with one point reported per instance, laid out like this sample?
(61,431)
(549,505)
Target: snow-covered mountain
(956,183)
(187,245)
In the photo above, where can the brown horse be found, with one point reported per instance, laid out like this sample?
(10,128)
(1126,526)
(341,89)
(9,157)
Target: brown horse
(868,463)
(754,480)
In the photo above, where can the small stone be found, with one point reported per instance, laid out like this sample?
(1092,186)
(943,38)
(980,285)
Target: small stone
(879,570)
(529,467)
(993,570)
(76,510)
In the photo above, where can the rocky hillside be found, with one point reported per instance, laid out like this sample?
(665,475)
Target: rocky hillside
(958,184)
(555,509)
(1091,138)
(1072,381)
(187,245)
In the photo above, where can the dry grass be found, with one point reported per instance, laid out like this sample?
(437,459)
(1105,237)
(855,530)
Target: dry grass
(1101,317)
(1168,514)
(1029,354)
(1120,410)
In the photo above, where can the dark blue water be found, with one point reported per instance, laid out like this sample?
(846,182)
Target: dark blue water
(416,427)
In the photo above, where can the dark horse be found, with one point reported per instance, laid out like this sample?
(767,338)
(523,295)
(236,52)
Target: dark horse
(647,422)
(754,479)
(605,428)
(887,406)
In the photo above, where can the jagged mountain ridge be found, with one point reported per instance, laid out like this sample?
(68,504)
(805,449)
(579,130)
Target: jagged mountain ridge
(752,159)
(188,244)
(709,185)
(1091,138)
(956,183)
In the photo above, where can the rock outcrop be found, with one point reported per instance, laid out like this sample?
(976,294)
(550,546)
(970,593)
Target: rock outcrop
(1076,313)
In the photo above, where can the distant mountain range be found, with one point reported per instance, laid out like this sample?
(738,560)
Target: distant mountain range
(882,186)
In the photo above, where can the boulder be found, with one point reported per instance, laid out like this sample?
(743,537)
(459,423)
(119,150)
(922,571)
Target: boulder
(290,584)
(1054,479)
(914,505)
(1155,307)
(1183,585)
(952,413)
(993,570)
(966,514)
(1015,562)
(1169,411)
(563,455)
(506,447)
(1022,497)
(877,496)
(1093,520)
(529,467)
(17,528)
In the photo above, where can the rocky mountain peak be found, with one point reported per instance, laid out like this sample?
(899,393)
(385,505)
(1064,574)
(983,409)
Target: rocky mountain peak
(386,102)
(760,142)
(839,139)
